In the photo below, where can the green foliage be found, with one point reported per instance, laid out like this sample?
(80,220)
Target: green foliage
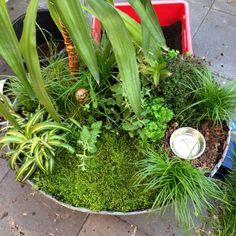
(29,52)
(34,146)
(157,70)
(223,216)
(153,124)
(75,21)
(106,184)
(159,117)
(177,183)
(87,138)
(133,27)
(212,101)
(152,35)
(175,90)
(123,50)
(7,111)
(9,48)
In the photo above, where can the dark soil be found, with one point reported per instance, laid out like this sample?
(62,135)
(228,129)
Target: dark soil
(173,35)
(215,137)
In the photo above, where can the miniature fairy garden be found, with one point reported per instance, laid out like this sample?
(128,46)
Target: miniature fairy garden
(92,128)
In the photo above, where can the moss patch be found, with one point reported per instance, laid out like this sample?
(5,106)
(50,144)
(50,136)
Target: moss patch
(106,184)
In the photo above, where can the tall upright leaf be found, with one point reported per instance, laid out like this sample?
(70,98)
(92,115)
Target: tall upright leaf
(151,31)
(54,14)
(133,27)
(9,48)
(29,51)
(73,18)
(5,112)
(123,49)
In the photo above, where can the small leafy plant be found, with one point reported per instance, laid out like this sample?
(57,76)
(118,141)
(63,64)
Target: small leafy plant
(177,183)
(34,146)
(157,70)
(87,140)
(153,124)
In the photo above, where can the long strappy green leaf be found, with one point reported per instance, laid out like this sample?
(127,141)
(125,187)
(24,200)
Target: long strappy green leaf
(123,49)
(9,47)
(29,51)
(152,34)
(8,115)
(73,18)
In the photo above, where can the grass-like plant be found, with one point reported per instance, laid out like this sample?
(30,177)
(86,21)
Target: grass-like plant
(178,184)
(212,101)
(223,217)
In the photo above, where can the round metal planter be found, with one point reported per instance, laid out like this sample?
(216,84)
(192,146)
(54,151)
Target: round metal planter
(86,210)
(226,154)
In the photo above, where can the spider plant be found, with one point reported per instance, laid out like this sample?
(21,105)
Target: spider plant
(178,183)
(34,145)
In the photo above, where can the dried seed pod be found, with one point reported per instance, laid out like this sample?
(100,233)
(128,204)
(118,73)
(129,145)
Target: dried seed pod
(81,95)
(72,56)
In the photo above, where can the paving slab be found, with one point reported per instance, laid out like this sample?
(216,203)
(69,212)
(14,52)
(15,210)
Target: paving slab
(215,40)
(228,6)
(3,168)
(16,9)
(26,212)
(198,12)
(98,225)
(154,225)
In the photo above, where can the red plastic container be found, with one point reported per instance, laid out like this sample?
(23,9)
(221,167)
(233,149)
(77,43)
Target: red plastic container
(168,12)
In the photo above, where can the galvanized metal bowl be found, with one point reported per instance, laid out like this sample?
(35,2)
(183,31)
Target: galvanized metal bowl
(187,143)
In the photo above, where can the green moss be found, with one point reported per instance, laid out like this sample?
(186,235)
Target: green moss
(106,184)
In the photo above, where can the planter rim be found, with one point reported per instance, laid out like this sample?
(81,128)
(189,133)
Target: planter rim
(40,10)
(86,210)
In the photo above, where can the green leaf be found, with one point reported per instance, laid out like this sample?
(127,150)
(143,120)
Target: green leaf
(29,172)
(23,169)
(51,164)
(8,115)
(39,159)
(29,51)
(74,19)
(54,14)
(10,139)
(59,144)
(151,30)
(13,158)
(85,134)
(9,48)
(16,134)
(34,119)
(133,27)
(47,125)
(76,123)
(123,49)
(96,125)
